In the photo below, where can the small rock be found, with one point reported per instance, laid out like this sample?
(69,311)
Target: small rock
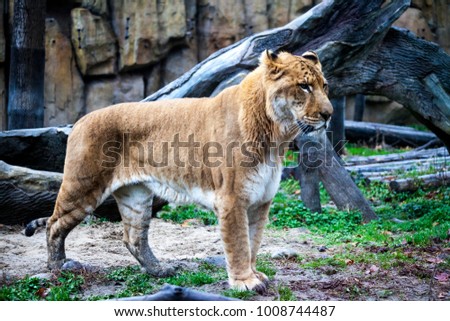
(217,260)
(303,230)
(43,276)
(284,254)
(72,266)
(322,248)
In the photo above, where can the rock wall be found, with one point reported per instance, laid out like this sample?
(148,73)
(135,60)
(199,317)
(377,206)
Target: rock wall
(101,52)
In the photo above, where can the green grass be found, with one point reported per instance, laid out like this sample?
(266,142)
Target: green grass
(289,212)
(357,150)
(266,266)
(190,278)
(180,214)
(241,295)
(385,260)
(424,221)
(291,159)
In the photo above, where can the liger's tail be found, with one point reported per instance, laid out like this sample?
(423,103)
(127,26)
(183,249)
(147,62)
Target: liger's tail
(34,224)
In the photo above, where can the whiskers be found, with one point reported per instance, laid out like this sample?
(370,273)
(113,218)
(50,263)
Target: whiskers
(299,128)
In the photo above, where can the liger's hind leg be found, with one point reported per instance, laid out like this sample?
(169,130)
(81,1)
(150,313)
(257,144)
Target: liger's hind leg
(135,206)
(69,212)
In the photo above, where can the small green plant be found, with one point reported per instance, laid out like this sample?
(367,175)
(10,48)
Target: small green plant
(291,159)
(135,282)
(122,274)
(242,295)
(354,291)
(67,287)
(289,186)
(285,294)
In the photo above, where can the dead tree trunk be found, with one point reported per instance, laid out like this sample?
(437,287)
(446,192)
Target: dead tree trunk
(26,77)
(309,174)
(374,133)
(27,194)
(336,130)
(413,154)
(413,184)
(339,184)
(360,106)
(424,64)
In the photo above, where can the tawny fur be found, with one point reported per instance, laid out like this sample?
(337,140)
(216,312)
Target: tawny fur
(265,107)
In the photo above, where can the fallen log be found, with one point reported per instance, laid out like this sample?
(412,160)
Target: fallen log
(412,184)
(37,148)
(177,293)
(413,154)
(406,165)
(398,136)
(386,178)
(27,194)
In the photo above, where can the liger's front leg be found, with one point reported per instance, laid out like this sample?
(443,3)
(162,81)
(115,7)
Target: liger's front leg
(234,230)
(257,220)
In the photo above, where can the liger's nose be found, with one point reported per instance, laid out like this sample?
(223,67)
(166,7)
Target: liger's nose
(325,115)
(327,110)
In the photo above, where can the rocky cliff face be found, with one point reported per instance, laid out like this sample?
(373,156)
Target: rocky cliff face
(101,52)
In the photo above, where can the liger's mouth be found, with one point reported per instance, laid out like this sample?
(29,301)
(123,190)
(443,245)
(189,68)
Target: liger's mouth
(306,128)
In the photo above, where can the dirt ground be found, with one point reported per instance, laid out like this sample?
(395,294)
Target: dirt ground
(99,246)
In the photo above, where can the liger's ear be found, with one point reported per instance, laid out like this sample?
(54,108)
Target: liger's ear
(268,57)
(313,57)
(272,62)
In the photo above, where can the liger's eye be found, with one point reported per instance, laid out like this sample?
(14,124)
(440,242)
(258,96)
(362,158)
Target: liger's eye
(305,87)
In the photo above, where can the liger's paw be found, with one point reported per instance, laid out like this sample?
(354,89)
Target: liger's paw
(56,264)
(262,277)
(160,270)
(253,283)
